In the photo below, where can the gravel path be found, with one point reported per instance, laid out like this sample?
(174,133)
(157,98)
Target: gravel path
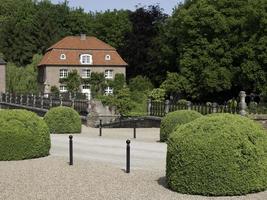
(146,153)
(96,174)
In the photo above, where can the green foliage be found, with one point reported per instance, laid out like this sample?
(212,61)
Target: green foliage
(175,84)
(121,100)
(23,79)
(23,135)
(73,81)
(118,83)
(157,94)
(98,83)
(221,46)
(63,120)
(220,154)
(174,120)
(55,90)
(140,83)
(183,102)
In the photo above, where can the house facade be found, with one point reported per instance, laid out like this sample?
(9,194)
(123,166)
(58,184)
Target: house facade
(82,53)
(2,76)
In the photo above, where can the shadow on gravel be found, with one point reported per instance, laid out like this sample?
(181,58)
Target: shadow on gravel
(162,181)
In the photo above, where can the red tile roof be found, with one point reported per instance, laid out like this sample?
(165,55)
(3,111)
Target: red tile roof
(73,47)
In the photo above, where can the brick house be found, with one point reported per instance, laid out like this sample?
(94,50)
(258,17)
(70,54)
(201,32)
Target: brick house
(2,75)
(82,53)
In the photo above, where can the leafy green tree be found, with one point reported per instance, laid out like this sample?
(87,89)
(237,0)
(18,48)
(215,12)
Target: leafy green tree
(98,83)
(73,81)
(218,46)
(140,83)
(157,94)
(112,26)
(141,50)
(23,79)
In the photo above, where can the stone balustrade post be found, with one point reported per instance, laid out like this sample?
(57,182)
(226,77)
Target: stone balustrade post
(72,103)
(42,101)
(149,105)
(10,98)
(242,104)
(60,99)
(214,107)
(34,100)
(16,99)
(167,106)
(27,99)
(21,99)
(189,105)
(1,97)
(50,102)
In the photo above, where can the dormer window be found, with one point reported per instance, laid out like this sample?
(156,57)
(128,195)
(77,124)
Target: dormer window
(107,57)
(62,57)
(86,59)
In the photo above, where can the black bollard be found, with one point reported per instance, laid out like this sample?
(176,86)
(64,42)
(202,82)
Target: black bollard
(100,128)
(71,149)
(134,133)
(128,156)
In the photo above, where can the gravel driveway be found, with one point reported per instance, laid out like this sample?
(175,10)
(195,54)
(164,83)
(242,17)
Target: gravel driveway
(98,171)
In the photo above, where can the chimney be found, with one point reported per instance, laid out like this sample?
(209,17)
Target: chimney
(83,37)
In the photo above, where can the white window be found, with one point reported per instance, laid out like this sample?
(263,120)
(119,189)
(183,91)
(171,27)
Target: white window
(107,57)
(62,57)
(109,74)
(63,73)
(86,59)
(86,87)
(108,91)
(63,88)
(86,73)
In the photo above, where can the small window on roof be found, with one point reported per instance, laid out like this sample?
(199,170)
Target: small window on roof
(63,57)
(107,57)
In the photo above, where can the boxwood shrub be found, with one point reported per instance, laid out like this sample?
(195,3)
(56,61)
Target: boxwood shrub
(23,135)
(63,120)
(220,154)
(175,119)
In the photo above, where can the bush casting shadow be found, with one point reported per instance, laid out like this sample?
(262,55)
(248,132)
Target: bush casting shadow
(63,120)
(23,135)
(218,155)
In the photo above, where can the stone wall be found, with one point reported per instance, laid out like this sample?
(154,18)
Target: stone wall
(261,118)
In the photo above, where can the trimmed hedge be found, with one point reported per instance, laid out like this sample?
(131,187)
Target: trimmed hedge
(174,119)
(220,154)
(23,135)
(63,120)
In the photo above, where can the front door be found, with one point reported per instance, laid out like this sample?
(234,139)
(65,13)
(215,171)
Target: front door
(87,91)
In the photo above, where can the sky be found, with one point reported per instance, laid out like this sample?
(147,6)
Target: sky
(102,5)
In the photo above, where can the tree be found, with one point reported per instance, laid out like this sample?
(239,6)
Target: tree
(220,47)
(141,84)
(141,49)
(73,82)
(23,79)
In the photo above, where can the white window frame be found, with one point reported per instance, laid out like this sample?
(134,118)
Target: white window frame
(63,88)
(108,91)
(85,73)
(86,87)
(107,57)
(86,59)
(63,56)
(109,74)
(63,73)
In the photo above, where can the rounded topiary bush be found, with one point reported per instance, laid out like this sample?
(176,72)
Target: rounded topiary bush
(23,135)
(174,119)
(217,155)
(63,120)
